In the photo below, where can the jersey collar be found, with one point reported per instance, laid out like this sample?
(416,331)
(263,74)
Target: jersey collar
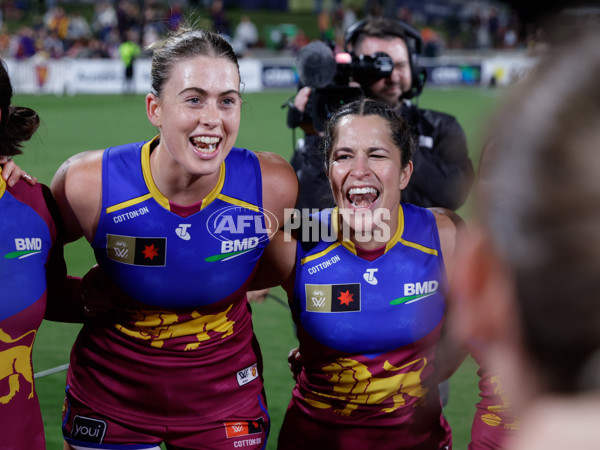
(158,196)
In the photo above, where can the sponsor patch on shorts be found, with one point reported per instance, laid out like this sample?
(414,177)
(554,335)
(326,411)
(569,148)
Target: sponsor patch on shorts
(87,429)
(248,374)
(243,427)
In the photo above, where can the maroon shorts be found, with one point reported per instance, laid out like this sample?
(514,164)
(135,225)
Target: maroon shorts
(300,431)
(247,428)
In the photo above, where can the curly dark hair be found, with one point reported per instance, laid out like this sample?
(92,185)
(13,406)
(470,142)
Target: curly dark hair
(17,123)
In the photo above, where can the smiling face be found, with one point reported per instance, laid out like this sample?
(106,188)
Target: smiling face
(389,89)
(366,173)
(198,114)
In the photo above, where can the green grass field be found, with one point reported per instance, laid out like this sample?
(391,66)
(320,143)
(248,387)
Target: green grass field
(74,124)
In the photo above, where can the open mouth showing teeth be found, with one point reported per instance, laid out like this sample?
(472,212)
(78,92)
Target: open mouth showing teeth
(362,197)
(205,144)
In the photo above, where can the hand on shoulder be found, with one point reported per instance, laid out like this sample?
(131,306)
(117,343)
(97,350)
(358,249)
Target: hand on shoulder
(11,173)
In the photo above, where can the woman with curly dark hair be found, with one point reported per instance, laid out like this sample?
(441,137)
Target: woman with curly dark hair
(32,275)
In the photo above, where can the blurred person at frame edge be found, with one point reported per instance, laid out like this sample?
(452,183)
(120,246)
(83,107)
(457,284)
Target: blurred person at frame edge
(33,276)
(526,284)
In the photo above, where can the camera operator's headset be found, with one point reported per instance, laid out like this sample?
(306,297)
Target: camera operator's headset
(413,41)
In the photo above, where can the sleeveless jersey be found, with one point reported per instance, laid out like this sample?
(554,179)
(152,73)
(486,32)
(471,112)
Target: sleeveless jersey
(153,254)
(27,232)
(367,330)
(187,277)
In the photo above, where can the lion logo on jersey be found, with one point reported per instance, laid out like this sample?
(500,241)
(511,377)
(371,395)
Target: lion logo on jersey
(354,385)
(16,361)
(160,326)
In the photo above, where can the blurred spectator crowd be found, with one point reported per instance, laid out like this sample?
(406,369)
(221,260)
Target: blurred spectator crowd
(54,33)
(57,34)
(463,25)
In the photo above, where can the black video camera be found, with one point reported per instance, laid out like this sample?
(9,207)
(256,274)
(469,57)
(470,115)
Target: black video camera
(329,77)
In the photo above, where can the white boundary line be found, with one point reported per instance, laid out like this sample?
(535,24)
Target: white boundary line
(56,369)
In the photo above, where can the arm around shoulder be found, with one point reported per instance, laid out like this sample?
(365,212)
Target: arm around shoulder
(452,231)
(77,189)
(280,185)
(63,291)
(277,263)
(280,191)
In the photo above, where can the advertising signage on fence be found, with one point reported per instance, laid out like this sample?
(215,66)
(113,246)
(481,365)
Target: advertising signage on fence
(106,76)
(251,75)
(279,76)
(454,75)
(505,70)
(97,76)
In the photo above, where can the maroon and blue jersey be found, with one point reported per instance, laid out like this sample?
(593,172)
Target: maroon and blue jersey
(494,423)
(27,233)
(168,261)
(182,349)
(368,330)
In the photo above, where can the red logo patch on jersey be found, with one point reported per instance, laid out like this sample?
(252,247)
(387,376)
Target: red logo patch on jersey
(150,251)
(137,251)
(243,427)
(346,297)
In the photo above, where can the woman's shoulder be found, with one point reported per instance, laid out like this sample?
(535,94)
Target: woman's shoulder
(79,167)
(33,196)
(557,423)
(447,220)
(273,161)
(452,231)
(280,184)
(77,188)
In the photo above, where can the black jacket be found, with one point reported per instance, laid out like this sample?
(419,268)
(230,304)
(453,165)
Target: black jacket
(443,173)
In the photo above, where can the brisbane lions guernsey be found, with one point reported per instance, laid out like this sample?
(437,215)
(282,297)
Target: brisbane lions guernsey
(27,232)
(183,347)
(494,423)
(368,329)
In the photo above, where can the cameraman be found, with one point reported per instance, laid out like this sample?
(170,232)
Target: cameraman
(443,172)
